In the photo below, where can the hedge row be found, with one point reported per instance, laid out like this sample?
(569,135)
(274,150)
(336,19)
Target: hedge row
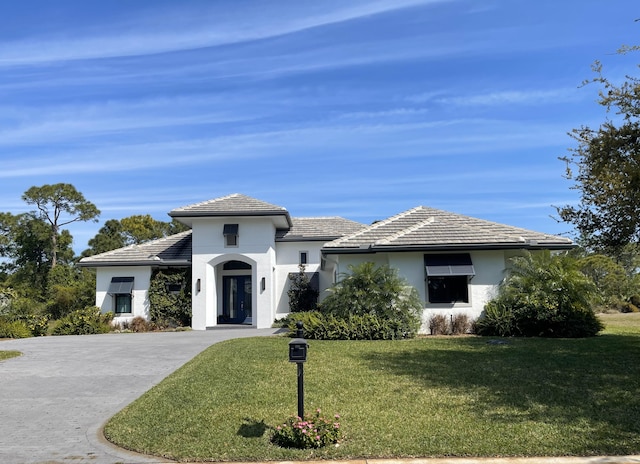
(320,326)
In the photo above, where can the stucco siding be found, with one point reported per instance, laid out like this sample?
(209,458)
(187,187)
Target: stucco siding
(489,267)
(256,247)
(287,262)
(139,295)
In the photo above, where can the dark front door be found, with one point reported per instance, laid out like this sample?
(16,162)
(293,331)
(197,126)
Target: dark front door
(236,295)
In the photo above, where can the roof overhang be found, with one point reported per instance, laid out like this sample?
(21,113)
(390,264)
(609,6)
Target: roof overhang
(281,219)
(372,248)
(148,263)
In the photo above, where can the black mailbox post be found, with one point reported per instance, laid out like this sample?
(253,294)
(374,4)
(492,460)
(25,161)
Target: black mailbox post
(298,348)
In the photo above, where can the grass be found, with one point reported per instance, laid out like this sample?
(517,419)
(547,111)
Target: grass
(434,396)
(8,354)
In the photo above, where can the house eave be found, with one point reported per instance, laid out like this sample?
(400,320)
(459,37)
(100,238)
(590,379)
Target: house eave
(449,247)
(148,263)
(306,239)
(205,214)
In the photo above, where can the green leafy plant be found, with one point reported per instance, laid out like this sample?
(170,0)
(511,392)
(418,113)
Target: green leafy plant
(544,295)
(14,329)
(320,326)
(166,307)
(311,431)
(302,295)
(85,321)
(376,291)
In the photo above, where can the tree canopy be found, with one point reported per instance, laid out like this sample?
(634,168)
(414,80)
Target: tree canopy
(59,205)
(605,166)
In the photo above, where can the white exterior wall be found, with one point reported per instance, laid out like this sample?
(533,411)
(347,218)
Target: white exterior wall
(256,246)
(287,261)
(489,267)
(139,295)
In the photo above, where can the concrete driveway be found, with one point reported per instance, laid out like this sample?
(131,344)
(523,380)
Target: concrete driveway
(55,398)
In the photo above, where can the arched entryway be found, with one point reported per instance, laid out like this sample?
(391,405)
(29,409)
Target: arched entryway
(237,293)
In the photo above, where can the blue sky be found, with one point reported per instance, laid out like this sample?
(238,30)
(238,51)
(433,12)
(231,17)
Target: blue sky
(360,109)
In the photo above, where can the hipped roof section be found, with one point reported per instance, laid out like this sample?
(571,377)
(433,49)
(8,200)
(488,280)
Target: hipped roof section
(174,250)
(232,205)
(424,228)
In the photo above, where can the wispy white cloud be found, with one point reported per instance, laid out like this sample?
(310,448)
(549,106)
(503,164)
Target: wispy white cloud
(513,97)
(204,29)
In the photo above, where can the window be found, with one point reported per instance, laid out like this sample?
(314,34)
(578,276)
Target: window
(174,289)
(448,277)
(304,258)
(123,304)
(230,232)
(121,288)
(449,289)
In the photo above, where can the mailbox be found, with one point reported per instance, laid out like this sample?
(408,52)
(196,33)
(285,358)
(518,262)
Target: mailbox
(298,350)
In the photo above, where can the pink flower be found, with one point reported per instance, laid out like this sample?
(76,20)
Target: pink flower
(278,428)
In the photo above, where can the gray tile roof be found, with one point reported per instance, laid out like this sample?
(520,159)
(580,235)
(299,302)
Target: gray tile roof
(318,228)
(235,204)
(428,228)
(174,250)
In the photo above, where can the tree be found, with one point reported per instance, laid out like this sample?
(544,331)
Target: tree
(302,295)
(605,166)
(544,295)
(109,237)
(54,201)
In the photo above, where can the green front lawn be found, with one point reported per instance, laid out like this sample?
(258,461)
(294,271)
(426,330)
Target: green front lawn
(434,396)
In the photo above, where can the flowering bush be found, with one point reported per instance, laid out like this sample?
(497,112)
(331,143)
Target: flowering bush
(311,431)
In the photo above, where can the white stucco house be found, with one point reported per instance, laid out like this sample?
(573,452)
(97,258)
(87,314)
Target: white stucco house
(241,251)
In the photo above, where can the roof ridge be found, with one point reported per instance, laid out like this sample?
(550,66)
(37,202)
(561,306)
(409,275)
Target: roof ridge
(376,225)
(199,203)
(408,230)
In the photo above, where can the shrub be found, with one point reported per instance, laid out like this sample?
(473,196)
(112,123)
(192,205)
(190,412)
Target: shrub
(14,329)
(497,320)
(319,326)
(460,324)
(544,296)
(378,292)
(311,431)
(83,322)
(628,307)
(302,295)
(438,325)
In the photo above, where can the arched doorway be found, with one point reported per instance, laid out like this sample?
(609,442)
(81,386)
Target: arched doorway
(237,293)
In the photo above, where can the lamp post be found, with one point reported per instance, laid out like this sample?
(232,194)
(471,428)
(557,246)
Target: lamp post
(298,354)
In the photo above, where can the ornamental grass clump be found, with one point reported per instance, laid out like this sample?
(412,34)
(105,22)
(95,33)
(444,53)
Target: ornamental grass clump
(311,431)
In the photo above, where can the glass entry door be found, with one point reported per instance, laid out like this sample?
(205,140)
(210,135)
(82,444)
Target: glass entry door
(236,296)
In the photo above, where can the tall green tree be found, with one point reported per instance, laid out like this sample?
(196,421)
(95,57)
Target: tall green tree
(28,258)
(60,205)
(605,166)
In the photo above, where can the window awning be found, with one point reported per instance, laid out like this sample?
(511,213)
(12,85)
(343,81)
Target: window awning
(458,264)
(120,286)
(230,229)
